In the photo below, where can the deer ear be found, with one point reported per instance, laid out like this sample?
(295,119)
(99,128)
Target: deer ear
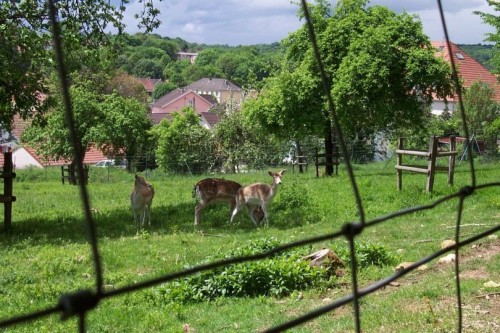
(270,174)
(282,171)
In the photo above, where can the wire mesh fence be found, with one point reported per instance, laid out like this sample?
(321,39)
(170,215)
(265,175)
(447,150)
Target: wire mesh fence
(80,303)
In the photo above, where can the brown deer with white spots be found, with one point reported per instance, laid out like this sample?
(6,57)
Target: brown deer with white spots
(258,194)
(141,200)
(211,190)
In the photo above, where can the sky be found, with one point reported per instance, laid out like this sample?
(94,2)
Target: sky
(249,22)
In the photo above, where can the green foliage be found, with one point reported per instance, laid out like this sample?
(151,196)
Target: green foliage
(51,137)
(494,37)
(277,276)
(124,129)
(293,205)
(162,89)
(183,145)
(242,142)
(481,112)
(26,59)
(368,254)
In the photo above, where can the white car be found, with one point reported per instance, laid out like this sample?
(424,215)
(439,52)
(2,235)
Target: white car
(109,163)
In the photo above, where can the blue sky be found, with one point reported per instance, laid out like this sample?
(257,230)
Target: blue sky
(247,22)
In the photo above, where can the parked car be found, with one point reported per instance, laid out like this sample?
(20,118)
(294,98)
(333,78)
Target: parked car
(109,163)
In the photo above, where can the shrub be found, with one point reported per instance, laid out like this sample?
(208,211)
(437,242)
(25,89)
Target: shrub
(368,254)
(276,276)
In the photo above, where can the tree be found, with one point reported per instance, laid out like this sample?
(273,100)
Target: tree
(286,109)
(50,136)
(26,55)
(127,86)
(242,142)
(123,129)
(380,68)
(183,145)
(481,113)
(494,37)
(162,89)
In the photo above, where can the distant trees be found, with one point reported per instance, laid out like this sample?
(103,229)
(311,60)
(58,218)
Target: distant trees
(494,21)
(26,55)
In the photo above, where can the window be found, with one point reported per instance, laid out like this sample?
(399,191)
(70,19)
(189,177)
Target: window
(460,55)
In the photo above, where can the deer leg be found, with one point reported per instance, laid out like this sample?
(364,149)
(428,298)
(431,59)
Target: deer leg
(251,213)
(197,212)
(149,214)
(264,209)
(235,211)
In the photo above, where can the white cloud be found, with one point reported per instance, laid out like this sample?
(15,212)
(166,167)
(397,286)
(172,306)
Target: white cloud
(236,22)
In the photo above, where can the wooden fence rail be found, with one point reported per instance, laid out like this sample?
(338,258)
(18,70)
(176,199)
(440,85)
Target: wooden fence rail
(70,173)
(432,154)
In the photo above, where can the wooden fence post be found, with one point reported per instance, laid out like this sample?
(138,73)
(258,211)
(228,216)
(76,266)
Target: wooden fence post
(399,163)
(451,160)
(8,198)
(431,164)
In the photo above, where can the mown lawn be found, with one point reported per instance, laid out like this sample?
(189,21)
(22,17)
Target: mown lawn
(47,255)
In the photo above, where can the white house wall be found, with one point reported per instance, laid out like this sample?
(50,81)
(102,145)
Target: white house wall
(438,107)
(22,159)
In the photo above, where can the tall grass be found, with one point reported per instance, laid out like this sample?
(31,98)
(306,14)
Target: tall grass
(47,253)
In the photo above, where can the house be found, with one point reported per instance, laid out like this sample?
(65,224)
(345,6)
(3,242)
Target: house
(202,96)
(149,84)
(25,157)
(223,90)
(187,55)
(469,70)
(180,98)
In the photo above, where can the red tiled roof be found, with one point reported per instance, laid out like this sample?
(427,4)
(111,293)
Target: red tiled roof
(149,84)
(468,68)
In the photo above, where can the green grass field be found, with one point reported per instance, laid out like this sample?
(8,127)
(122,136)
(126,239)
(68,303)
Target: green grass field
(47,255)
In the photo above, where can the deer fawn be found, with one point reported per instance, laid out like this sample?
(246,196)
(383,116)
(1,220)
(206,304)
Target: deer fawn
(258,194)
(218,190)
(141,200)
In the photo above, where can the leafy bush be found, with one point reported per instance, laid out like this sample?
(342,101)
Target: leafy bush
(368,254)
(294,206)
(276,276)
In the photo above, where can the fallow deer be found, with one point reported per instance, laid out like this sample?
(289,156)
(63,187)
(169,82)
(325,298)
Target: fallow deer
(141,200)
(258,194)
(211,190)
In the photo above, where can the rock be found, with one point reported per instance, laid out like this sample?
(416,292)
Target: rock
(447,243)
(403,265)
(491,284)
(449,258)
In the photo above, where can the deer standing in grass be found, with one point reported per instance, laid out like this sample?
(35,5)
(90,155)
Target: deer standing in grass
(258,194)
(141,200)
(211,190)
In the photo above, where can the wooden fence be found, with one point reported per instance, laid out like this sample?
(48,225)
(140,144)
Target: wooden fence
(70,173)
(7,198)
(320,160)
(432,154)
